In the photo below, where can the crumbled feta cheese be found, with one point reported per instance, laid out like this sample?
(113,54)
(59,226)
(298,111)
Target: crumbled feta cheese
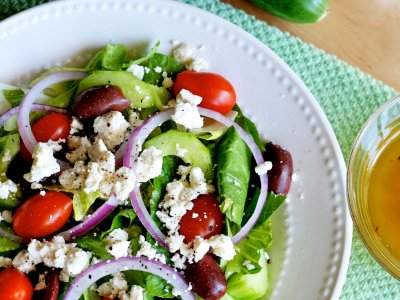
(137,71)
(111,128)
(148,251)
(54,254)
(200,247)
(79,146)
(42,193)
(167,82)
(114,287)
(124,183)
(7,216)
(75,177)
(94,177)
(75,126)
(6,188)
(186,112)
(134,118)
(222,246)
(185,55)
(263,168)
(6,156)
(175,292)
(136,293)
(36,186)
(149,164)
(180,151)
(118,244)
(158,69)
(5,262)
(44,163)
(248,265)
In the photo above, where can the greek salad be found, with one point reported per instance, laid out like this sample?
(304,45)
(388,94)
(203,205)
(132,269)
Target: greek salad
(135,177)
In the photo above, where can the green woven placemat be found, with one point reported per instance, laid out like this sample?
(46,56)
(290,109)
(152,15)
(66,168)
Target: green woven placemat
(347,96)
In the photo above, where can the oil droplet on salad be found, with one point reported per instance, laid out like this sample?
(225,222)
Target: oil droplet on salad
(384,196)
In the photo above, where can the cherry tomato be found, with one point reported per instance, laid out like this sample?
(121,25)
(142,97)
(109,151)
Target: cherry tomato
(53,126)
(217,92)
(15,285)
(204,220)
(40,216)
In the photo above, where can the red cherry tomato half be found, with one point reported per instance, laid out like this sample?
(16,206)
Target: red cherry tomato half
(53,126)
(204,220)
(15,285)
(217,92)
(40,216)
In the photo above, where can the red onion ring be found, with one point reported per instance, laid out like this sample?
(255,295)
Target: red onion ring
(35,107)
(135,144)
(104,268)
(92,221)
(24,126)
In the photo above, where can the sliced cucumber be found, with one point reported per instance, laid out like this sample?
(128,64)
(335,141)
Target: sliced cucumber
(299,11)
(140,93)
(197,154)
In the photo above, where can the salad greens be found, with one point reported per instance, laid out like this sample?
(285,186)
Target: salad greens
(223,157)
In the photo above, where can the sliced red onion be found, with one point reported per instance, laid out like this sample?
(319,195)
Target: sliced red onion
(35,107)
(24,126)
(11,236)
(91,221)
(104,268)
(135,144)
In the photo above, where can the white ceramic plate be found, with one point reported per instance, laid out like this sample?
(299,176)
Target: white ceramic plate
(312,230)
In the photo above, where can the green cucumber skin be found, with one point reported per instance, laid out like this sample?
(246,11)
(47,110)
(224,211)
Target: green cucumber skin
(299,11)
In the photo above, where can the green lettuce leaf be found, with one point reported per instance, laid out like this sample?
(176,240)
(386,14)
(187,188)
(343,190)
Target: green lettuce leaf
(166,63)
(13,96)
(112,57)
(250,249)
(249,126)
(233,175)
(143,59)
(81,203)
(8,245)
(123,219)
(93,244)
(273,202)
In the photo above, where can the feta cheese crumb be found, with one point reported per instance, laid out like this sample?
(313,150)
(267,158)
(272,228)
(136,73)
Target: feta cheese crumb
(79,146)
(54,254)
(114,287)
(123,183)
(149,164)
(6,188)
(118,244)
(44,163)
(158,69)
(137,71)
(222,246)
(7,216)
(111,128)
(148,251)
(180,151)
(5,262)
(248,265)
(263,168)
(134,119)
(75,126)
(184,54)
(195,215)
(42,193)
(186,112)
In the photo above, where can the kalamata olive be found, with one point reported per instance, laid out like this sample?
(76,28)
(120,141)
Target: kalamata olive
(53,286)
(280,176)
(207,278)
(98,100)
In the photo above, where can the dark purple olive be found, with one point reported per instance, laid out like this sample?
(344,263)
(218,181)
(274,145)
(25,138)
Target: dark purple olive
(280,176)
(98,100)
(207,278)
(53,286)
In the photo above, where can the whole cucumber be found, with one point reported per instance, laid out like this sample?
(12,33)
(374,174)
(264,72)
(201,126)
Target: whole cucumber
(299,11)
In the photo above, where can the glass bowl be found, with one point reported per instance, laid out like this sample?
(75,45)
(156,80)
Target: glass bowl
(381,128)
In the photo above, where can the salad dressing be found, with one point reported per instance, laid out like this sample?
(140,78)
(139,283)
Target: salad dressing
(384,196)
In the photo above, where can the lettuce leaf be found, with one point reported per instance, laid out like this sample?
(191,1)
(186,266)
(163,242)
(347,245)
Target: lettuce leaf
(233,175)
(143,59)
(111,57)
(81,203)
(93,244)
(14,96)
(8,245)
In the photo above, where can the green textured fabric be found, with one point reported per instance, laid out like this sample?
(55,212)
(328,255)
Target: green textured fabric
(347,96)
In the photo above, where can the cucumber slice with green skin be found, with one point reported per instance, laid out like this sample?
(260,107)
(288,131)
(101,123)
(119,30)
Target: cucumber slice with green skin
(197,154)
(299,11)
(140,93)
